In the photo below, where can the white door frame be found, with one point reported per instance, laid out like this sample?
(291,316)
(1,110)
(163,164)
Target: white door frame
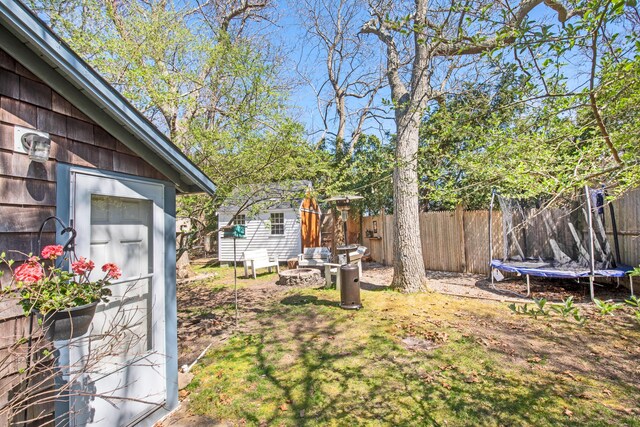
(164,258)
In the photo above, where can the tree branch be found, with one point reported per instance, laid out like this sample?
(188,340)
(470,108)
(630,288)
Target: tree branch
(244,8)
(465,46)
(378,28)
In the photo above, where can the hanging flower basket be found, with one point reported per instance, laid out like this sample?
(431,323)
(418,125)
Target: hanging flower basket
(64,301)
(67,324)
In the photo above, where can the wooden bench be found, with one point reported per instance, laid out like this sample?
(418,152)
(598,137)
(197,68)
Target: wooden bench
(258,258)
(314,257)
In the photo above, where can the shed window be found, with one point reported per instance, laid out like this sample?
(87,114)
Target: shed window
(239,220)
(277,223)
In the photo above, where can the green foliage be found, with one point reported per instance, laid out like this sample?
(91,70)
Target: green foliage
(633,301)
(367,172)
(540,303)
(455,137)
(55,289)
(527,127)
(606,307)
(217,92)
(567,308)
(538,310)
(578,317)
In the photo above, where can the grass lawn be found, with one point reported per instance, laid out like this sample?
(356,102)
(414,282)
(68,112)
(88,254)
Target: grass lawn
(425,359)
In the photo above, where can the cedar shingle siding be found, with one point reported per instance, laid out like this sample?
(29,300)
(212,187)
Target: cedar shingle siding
(28,190)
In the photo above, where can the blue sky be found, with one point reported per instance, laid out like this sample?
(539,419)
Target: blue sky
(302,54)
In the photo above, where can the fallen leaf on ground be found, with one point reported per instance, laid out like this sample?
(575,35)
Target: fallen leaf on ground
(427,378)
(473,378)
(284,407)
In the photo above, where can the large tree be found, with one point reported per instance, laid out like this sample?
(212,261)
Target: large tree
(203,73)
(347,87)
(428,47)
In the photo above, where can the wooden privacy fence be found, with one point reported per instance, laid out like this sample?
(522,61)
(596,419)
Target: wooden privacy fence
(458,240)
(451,240)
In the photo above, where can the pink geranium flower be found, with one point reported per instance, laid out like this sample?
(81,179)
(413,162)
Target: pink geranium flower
(112,270)
(82,266)
(52,252)
(29,272)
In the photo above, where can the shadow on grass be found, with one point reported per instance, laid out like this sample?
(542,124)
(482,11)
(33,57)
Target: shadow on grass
(309,364)
(373,287)
(308,299)
(377,381)
(259,275)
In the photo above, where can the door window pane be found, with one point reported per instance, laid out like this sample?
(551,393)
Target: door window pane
(121,232)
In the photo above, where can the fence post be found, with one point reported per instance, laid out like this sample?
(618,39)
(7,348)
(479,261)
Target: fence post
(459,216)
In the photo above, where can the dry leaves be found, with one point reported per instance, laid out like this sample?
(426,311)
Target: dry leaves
(472,378)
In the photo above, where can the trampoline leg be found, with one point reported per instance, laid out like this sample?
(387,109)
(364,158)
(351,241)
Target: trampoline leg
(631,284)
(528,286)
(591,287)
(491,274)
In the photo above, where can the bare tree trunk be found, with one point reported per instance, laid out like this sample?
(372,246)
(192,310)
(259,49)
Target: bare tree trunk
(408,264)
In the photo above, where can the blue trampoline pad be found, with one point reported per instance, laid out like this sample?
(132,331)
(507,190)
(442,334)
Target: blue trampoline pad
(548,269)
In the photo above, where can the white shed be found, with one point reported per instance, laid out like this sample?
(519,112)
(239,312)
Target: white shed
(271,215)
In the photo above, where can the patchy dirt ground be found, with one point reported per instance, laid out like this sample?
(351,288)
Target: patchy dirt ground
(513,288)
(469,358)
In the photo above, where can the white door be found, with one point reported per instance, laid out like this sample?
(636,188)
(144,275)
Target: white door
(121,221)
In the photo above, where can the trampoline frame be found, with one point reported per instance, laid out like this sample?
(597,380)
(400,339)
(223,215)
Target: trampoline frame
(592,272)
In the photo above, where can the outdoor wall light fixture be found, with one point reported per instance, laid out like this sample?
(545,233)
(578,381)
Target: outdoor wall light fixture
(37,146)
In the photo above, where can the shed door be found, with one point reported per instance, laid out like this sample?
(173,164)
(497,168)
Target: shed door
(121,221)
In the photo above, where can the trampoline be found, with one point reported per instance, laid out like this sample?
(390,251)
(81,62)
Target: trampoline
(565,240)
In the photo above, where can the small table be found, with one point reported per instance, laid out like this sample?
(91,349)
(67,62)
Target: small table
(292,263)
